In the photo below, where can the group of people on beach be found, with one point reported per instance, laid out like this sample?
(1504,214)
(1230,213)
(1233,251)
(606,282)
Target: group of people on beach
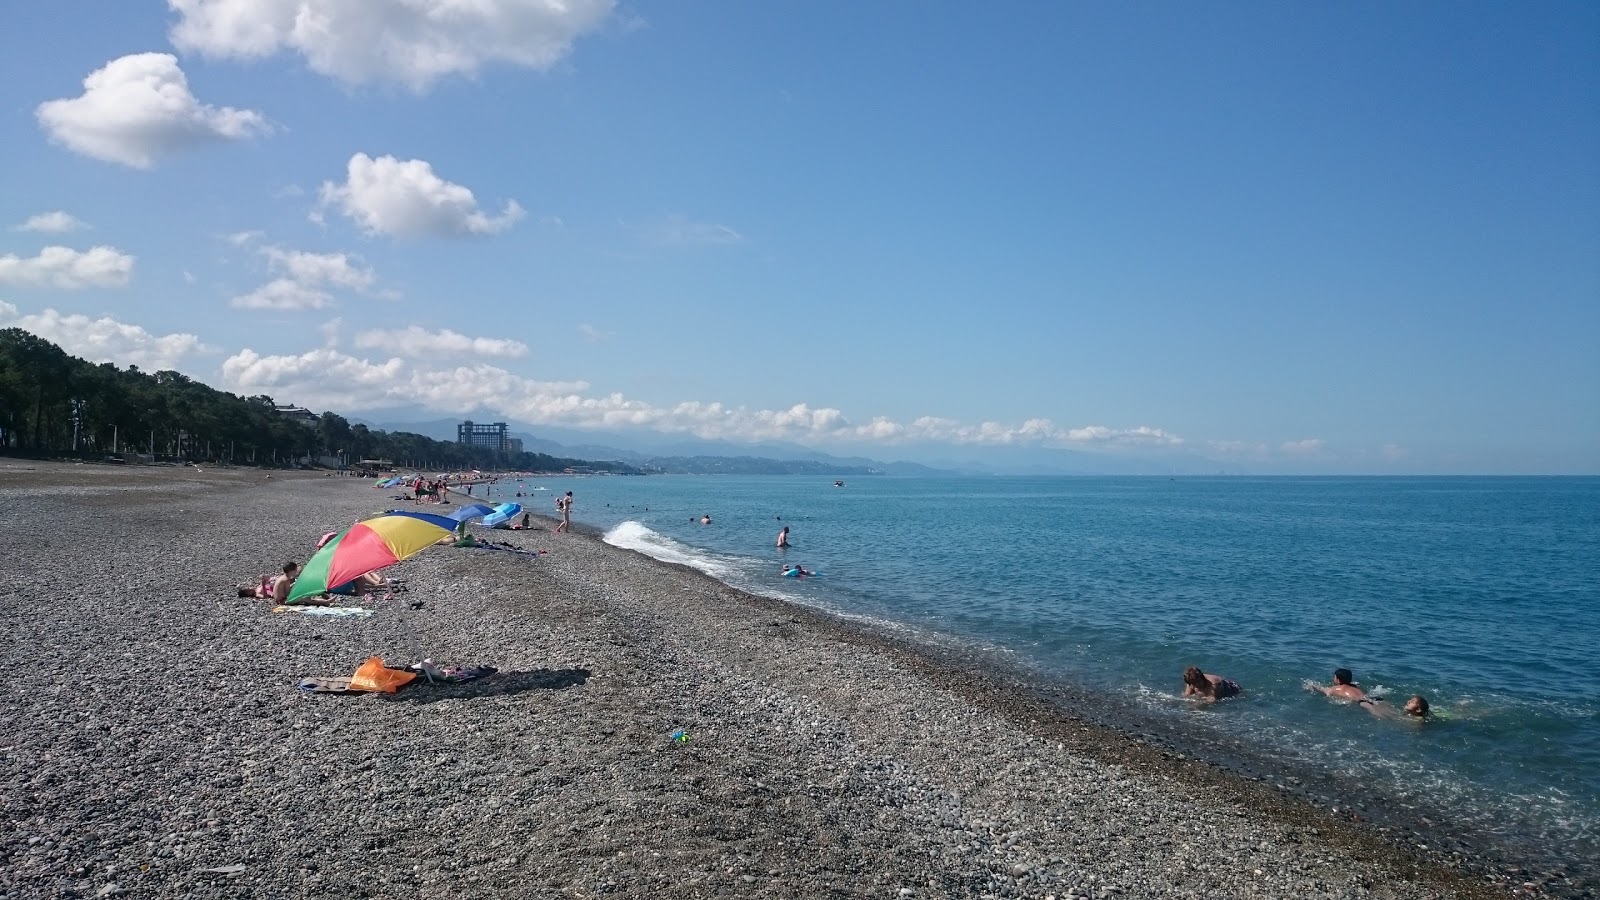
(1210,688)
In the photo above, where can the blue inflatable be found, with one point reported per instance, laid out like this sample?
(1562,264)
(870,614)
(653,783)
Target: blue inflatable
(796,573)
(502,515)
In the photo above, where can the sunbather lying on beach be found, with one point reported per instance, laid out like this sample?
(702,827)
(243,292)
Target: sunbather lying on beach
(273,588)
(1210,688)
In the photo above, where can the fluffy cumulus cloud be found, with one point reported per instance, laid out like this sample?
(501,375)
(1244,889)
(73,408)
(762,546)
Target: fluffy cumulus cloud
(412,42)
(68,269)
(406,199)
(333,379)
(303,278)
(419,342)
(57,222)
(337,269)
(105,339)
(284,294)
(137,109)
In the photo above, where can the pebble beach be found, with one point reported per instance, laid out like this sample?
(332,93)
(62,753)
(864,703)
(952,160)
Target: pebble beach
(650,732)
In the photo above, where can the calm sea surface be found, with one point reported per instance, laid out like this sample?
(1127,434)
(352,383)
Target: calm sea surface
(1483,594)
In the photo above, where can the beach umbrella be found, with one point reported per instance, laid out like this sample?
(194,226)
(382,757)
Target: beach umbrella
(366,546)
(502,515)
(470,511)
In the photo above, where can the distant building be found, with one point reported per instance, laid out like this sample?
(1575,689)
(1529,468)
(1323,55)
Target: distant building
(493,436)
(513,445)
(299,414)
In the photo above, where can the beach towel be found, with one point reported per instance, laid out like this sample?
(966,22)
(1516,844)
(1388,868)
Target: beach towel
(326,686)
(335,611)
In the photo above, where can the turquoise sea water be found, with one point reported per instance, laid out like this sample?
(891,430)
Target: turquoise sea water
(1483,594)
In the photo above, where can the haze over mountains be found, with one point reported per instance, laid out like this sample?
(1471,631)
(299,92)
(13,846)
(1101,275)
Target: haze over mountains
(674,453)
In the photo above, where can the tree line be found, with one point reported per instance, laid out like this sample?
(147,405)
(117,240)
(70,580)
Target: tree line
(53,404)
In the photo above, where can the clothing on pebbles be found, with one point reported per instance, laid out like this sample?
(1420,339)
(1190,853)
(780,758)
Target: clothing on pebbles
(156,744)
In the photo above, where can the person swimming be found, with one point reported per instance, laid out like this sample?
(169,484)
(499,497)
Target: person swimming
(795,570)
(1344,687)
(783,538)
(1210,688)
(1416,707)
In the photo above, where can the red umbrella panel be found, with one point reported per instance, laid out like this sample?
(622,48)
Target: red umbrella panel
(367,546)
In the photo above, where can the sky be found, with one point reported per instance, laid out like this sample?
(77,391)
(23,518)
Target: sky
(1351,238)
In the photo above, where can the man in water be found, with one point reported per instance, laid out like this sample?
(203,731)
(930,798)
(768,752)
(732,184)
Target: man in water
(1210,688)
(1344,687)
(783,538)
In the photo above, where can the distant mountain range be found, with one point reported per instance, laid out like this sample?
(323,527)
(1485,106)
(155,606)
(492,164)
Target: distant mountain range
(679,455)
(674,456)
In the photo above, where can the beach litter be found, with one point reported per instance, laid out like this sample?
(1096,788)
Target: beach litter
(681,736)
(344,612)
(235,869)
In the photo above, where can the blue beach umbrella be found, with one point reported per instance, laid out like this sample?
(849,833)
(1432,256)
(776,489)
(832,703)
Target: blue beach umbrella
(470,511)
(502,515)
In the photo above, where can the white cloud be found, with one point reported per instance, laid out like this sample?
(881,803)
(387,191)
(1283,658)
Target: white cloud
(105,339)
(283,294)
(242,238)
(419,343)
(1394,452)
(678,231)
(405,199)
(592,334)
(1307,447)
(413,42)
(68,269)
(137,109)
(57,222)
(336,269)
(326,377)
(303,277)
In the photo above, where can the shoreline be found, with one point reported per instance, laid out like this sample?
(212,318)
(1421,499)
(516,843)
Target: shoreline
(163,738)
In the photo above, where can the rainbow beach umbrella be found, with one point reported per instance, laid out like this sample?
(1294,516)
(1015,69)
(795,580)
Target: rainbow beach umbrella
(367,546)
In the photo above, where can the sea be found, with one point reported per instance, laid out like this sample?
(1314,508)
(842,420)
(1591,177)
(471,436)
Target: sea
(1481,594)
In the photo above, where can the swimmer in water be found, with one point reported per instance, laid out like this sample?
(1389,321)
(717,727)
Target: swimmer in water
(1415,708)
(783,538)
(795,571)
(1209,688)
(1344,687)
(705,519)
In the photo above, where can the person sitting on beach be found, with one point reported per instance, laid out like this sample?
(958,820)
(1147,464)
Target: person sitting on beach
(1210,688)
(282,584)
(1344,687)
(783,538)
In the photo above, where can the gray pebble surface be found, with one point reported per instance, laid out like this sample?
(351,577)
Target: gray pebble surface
(153,742)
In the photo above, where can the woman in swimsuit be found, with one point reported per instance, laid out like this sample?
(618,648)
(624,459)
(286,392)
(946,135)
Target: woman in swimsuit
(1210,688)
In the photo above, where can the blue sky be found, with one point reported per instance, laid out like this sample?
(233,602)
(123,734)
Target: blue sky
(1285,237)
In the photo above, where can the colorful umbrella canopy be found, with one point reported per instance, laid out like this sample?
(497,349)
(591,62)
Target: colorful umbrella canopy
(470,511)
(502,514)
(367,546)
